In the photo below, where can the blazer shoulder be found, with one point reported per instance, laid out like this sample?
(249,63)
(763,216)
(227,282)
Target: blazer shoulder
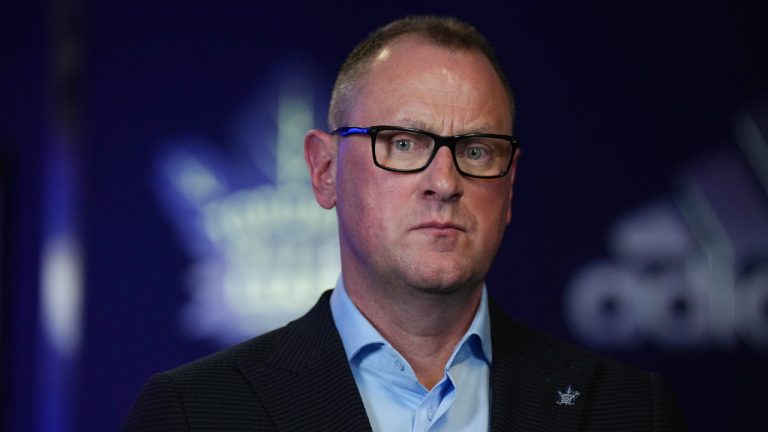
(258,348)
(546,351)
(211,392)
(612,395)
(203,393)
(314,326)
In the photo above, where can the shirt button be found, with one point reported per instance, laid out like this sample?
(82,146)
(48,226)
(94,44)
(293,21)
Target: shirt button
(399,365)
(430,414)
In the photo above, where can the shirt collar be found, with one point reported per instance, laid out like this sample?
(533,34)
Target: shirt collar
(357,332)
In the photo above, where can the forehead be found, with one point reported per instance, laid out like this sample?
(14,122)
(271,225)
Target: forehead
(415,81)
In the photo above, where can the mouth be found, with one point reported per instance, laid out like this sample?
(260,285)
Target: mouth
(440,227)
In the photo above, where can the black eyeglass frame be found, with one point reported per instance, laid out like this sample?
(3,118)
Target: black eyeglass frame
(440,141)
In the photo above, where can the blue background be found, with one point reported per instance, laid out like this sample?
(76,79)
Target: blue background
(614,99)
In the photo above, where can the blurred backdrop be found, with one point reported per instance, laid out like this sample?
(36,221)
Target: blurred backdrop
(154,206)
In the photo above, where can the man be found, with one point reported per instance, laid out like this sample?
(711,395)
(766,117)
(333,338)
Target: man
(419,165)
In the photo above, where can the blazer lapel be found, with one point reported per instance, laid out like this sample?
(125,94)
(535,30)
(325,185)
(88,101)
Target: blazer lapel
(532,387)
(306,384)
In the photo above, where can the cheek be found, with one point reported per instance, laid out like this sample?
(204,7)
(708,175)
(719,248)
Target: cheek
(356,193)
(493,210)
(351,167)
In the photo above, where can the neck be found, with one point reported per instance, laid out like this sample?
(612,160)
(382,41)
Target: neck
(423,326)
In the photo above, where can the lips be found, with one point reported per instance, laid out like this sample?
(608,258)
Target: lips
(439,226)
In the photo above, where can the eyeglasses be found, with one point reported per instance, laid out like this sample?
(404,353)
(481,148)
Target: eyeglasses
(411,150)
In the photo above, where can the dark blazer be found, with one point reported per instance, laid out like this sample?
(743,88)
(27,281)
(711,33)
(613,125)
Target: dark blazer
(297,378)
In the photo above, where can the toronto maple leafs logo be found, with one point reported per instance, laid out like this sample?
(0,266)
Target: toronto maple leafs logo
(262,249)
(569,397)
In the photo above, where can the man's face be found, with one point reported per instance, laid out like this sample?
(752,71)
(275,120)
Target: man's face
(433,230)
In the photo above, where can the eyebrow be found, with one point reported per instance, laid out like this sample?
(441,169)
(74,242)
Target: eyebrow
(419,124)
(412,123)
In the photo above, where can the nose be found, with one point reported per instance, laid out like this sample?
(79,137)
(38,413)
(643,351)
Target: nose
(442,181)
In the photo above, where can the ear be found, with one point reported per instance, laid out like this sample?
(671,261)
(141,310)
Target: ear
(511,179)
(320,155)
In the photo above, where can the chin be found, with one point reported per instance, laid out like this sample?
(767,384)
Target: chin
(443,282)
(439,273)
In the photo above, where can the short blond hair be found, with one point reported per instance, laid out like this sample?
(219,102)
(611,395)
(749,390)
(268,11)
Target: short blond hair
(447,32)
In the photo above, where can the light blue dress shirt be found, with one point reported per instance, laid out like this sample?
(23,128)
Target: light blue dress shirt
(393,397)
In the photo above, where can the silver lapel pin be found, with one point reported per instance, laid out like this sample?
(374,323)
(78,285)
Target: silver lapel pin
(569,397)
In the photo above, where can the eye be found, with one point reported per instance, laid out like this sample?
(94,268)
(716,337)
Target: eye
(407,142)
(403,145)
(476,152)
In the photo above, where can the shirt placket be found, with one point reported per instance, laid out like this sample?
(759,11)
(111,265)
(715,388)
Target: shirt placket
(435,404)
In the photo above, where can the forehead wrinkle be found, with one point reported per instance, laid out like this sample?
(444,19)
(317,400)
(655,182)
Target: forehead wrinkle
(444,114)
(414,123)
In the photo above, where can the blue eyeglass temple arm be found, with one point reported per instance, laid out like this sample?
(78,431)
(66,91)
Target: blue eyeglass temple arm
(344,131)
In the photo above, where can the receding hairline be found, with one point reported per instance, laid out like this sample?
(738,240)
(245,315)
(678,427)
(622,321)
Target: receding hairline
(440,32)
